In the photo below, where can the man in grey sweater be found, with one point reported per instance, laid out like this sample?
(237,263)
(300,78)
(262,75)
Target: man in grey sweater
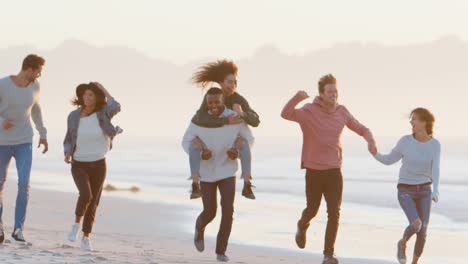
(19,103)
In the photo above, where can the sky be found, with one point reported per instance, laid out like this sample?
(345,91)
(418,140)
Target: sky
(180,31)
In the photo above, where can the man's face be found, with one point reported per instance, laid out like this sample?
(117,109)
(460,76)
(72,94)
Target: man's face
(33,74)
(330,94)
(215,104)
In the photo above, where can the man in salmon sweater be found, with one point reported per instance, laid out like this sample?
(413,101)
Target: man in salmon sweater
(322,123)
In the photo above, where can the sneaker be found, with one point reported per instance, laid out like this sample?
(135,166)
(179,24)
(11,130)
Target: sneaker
(330,260)
(86,244)
(73,232)
(301,234)
(199,239)
(18,235)
(2,237)
(247,191)
(196,191)
(222,258)
(401,252)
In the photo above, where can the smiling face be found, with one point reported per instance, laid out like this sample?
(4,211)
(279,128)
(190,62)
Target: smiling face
(229,85)
(89,98)
(215,104)
(33,74)
(417,124)
(329,94)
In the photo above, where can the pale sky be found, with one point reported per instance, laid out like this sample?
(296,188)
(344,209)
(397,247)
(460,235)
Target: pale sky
(184,30)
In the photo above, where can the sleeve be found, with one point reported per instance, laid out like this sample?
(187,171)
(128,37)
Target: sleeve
(113,107)
(250,116)
(36,115)
(67,146)
(394,156)
(436,170)
(3,106)
(358,128)
(291,113)
(189,136)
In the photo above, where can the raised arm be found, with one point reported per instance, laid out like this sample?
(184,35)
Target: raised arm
(113,107)
(290,112)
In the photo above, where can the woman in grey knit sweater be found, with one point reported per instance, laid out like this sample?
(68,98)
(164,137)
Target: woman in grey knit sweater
(420,155)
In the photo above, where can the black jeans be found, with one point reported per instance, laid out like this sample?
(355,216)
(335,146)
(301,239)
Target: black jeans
(89,178)
(328,183)
(227,189)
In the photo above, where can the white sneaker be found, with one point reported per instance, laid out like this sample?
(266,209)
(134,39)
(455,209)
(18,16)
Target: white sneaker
(86,244)
(73,232)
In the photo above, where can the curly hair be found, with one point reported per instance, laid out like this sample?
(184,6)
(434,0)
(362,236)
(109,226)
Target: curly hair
(214,72)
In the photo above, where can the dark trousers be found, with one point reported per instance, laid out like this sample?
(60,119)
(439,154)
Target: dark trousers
(89,178)
(227,189)
(327,183)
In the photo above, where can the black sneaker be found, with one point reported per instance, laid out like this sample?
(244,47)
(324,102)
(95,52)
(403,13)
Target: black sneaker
(199,239)
(401,252)
(196,192)
(301,234)
(247,191)
(18,235)
(330,260)
(2,237)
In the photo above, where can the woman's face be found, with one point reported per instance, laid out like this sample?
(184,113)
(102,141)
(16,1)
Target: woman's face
(417,124)
(89,98)
(229,85)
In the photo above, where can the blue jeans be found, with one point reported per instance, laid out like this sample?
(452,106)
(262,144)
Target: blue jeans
(416,202)
(245,158)
(23,157)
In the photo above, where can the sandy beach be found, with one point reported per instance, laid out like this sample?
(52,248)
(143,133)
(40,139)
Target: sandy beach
(125,231)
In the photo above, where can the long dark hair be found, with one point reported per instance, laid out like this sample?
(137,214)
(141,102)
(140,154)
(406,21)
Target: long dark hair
(425,115)
(214,72)
(100,97)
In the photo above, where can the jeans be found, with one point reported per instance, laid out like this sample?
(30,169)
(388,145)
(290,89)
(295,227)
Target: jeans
(416,203)
(23,157)
(327,183)
(89,178)
(227,189)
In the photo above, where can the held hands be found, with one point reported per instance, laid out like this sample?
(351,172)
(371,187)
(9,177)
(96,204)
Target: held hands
(302,95)
(372,148)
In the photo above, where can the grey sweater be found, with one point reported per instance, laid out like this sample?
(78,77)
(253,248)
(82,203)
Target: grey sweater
(420,161)
(20,104)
